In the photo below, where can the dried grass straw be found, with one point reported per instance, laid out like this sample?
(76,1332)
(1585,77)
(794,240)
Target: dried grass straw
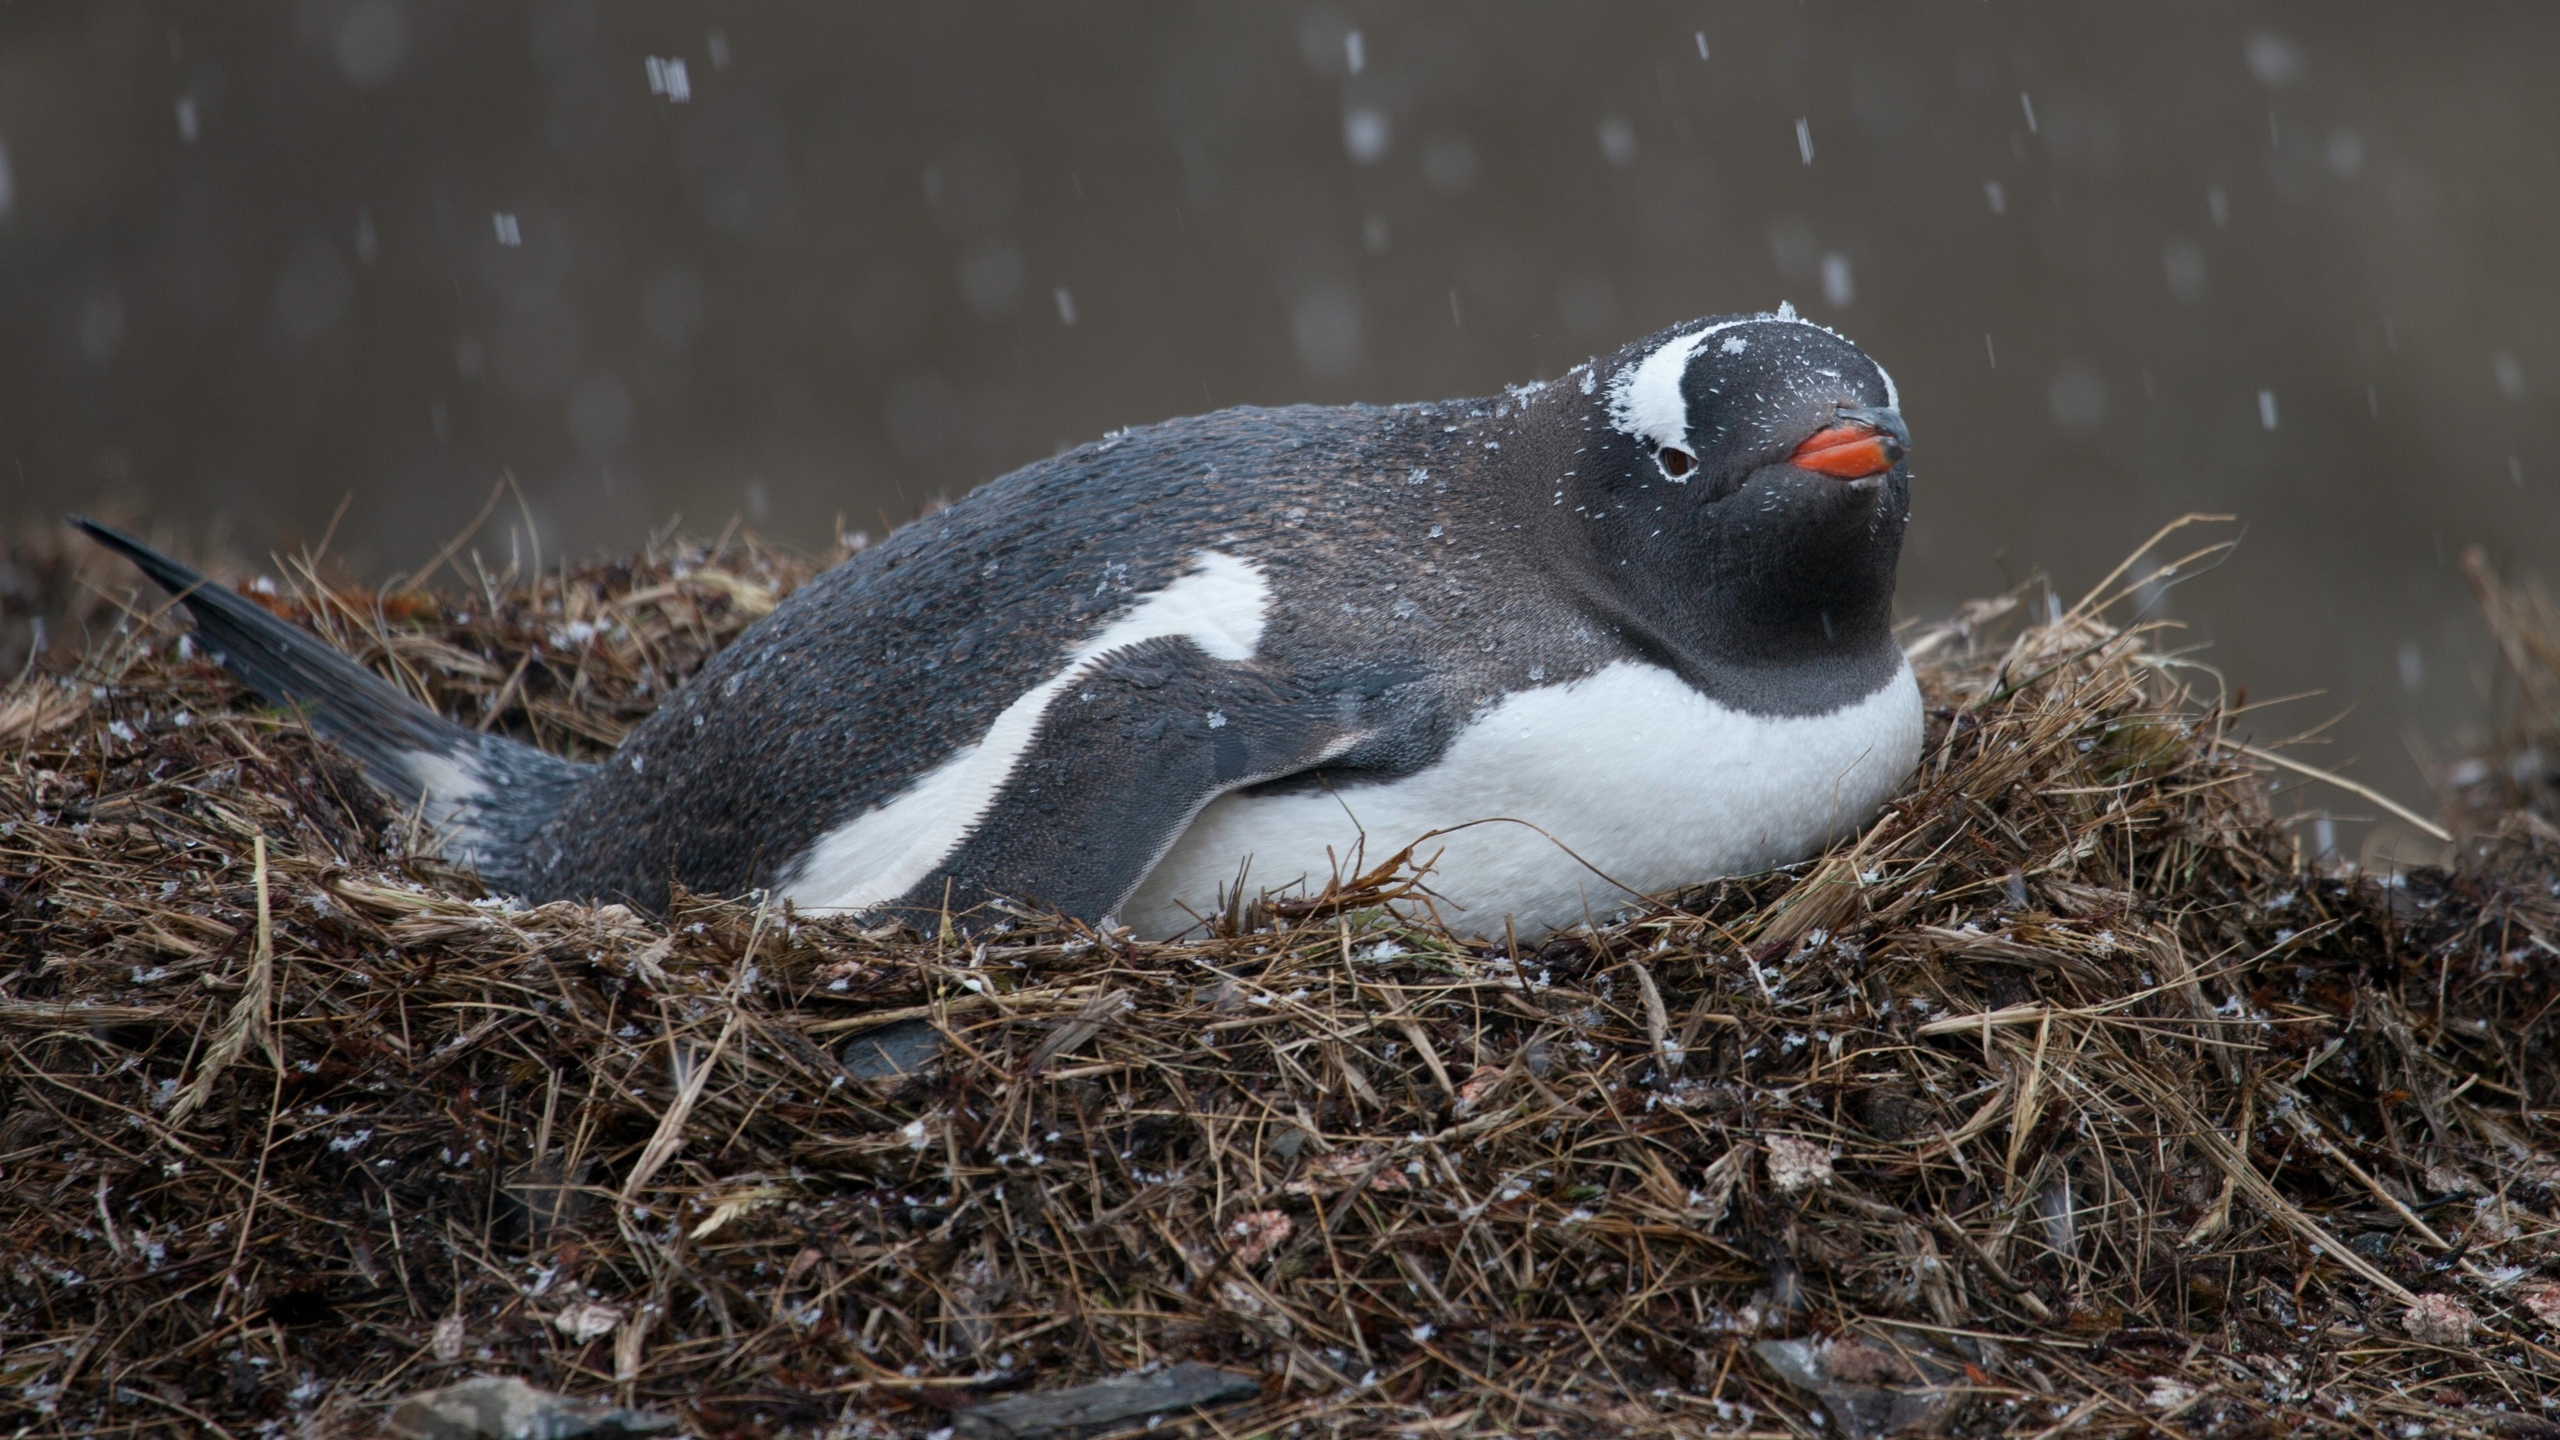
(2069,1080)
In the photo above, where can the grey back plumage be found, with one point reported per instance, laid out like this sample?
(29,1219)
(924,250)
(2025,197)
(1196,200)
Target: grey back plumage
(882,668)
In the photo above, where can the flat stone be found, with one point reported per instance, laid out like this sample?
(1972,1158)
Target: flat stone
(502,1407)
(1080,1409)
(892,1052)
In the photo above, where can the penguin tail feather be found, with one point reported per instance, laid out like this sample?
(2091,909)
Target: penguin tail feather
(484,797)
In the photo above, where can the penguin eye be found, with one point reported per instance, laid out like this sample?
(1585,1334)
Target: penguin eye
(1676,462)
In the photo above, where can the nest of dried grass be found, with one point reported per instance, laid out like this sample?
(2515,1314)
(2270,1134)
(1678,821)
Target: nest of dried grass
(2065,1098)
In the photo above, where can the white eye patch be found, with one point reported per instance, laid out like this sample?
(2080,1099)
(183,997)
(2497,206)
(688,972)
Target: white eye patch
(1645,399)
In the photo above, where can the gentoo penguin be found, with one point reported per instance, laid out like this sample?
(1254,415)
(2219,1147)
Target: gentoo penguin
(1607,636)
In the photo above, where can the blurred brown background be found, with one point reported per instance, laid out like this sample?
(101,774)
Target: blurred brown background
(793,262)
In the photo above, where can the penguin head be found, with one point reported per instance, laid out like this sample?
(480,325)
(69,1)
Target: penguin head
(1751,474)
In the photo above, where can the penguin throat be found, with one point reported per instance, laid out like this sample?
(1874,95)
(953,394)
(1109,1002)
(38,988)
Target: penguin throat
(1747,598)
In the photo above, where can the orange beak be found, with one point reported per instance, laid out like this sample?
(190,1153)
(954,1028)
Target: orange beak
(1852,450)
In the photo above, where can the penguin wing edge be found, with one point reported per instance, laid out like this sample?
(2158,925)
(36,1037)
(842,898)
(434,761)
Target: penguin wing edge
(1125,760)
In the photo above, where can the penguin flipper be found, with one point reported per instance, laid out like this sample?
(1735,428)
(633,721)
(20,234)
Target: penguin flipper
(1124,761)
(485,794)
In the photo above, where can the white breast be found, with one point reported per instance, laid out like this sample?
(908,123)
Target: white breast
(1651,783)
